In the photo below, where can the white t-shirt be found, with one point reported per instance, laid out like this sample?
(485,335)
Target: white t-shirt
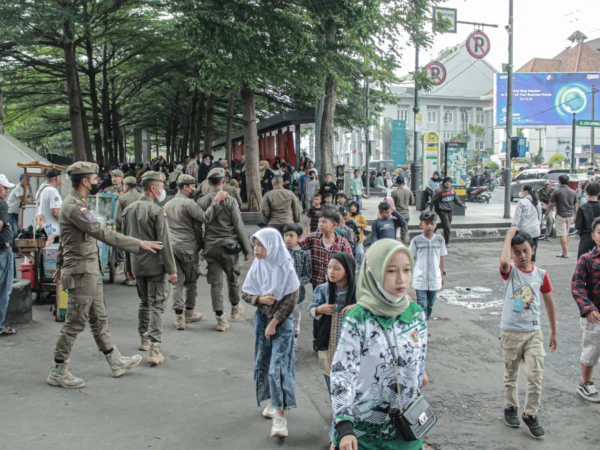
(14,202)
(48,198)
(427,275)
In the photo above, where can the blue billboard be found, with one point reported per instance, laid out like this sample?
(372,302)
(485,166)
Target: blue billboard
(399,142)
(545,98)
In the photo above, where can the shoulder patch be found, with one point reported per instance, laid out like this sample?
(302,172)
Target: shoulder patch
(89,216)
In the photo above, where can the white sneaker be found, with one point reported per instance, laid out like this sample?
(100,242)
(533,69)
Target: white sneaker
(279,428)
(269,412)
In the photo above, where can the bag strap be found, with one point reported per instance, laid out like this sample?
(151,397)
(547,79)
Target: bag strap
(395,366)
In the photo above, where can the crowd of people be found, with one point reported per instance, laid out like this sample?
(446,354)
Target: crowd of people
(359,302)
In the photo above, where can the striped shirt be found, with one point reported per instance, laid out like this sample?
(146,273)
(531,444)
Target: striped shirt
(528,217)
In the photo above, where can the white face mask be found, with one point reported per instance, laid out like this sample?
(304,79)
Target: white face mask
(521,194)
(162,196)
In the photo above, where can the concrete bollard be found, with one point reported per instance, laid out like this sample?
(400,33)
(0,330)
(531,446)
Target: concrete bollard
(19,310)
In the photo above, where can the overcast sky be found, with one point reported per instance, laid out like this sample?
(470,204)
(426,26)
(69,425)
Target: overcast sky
(541,28)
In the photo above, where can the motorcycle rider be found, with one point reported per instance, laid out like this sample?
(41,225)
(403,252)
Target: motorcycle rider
(487,175)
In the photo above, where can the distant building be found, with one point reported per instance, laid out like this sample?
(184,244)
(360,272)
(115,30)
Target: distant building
(447,109)
(580,56)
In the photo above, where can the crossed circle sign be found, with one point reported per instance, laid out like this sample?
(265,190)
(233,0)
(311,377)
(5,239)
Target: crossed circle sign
(478,44)
(436,72)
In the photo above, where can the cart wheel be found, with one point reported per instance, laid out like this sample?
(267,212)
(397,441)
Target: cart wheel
(112,265)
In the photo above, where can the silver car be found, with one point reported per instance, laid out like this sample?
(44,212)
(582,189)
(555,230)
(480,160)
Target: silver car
(536,178)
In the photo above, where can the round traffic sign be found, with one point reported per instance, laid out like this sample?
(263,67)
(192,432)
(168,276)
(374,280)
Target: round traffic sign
(478,44)
(436,72)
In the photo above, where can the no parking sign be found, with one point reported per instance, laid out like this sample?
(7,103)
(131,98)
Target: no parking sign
(478,44)
(436,72)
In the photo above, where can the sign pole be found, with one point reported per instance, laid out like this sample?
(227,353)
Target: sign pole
(592,130)
(509,108)
(573,143)
(415,167)
(367,137)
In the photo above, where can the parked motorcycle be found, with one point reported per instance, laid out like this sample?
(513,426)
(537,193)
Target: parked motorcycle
(480,194)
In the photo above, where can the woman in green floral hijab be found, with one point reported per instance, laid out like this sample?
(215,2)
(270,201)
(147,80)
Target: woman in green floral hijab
(363,378)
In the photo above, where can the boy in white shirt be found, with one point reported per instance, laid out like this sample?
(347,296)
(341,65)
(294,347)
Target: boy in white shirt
(428,250)
(49,201)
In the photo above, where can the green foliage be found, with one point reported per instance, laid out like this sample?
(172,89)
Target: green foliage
(493,166)
(557,158)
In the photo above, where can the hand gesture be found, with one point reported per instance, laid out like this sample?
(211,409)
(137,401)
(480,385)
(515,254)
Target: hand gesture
(349,442)
(512,231)
(221,195)
(593,317)
(326,310)
(347,309)
(151,246)
(268,300)
(270,331)
(172,278)
(247,258)
(553,342)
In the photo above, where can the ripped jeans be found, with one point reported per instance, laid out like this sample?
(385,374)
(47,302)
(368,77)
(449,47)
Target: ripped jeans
(274,363)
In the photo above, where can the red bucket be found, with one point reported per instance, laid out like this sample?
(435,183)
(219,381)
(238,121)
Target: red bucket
(28,272)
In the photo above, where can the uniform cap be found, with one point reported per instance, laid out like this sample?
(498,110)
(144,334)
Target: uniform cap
(186,179)
(217,172)
(52,173)
(545,182)
(80,168)
(4,182)
(151,175)
(130,180)
(117,173)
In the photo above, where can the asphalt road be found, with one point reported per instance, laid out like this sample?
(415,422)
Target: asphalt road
(203,396)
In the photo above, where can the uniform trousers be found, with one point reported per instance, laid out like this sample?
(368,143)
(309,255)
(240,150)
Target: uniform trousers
(85,304)
(153,292)
(218,262)
(188,272)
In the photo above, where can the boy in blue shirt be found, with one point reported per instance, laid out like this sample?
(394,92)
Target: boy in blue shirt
(386,225)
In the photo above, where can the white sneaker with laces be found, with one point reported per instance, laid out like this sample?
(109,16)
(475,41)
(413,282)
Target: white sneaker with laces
(269,412)
(279,428)
(589,392)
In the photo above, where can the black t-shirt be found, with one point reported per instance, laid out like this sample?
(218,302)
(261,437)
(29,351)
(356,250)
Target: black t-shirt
(6,232)
(287,177)
(329,188)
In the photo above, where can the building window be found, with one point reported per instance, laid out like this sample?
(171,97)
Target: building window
(447,136)
(464,117)
(403,113)
(480,118)
(431,116)
(449,117)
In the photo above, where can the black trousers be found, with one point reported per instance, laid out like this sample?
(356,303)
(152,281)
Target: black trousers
(446,219)
(586,244)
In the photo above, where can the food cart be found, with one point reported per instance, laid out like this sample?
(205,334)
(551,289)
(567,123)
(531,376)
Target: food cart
(104,209)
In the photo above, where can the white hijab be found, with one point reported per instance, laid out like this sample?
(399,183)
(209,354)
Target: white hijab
(274,275)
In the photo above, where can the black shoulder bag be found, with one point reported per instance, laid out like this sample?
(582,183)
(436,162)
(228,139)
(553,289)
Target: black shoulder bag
(418,418)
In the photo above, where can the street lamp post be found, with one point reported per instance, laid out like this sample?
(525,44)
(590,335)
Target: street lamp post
(415,167)
(509,108)
(573,132)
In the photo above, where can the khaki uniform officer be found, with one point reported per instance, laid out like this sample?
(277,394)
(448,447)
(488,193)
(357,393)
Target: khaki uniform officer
(280,206)
(117,183)
(224,239)
(79,272)
(185,229)
(131,195)
(145,219)
(204,189)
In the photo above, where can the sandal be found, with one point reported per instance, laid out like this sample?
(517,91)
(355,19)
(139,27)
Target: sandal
(561,256)
(8,331)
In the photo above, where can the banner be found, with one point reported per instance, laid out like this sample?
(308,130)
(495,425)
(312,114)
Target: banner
(545,98)
(456,162)
(430,154)
(399,142)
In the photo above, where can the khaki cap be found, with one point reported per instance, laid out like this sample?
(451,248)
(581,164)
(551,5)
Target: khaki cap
(216,173)
(117,173)
(153,176)
(130,180)
(82,168)
(186,179)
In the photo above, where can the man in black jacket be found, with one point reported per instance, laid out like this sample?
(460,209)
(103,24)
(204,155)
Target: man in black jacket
(443,203)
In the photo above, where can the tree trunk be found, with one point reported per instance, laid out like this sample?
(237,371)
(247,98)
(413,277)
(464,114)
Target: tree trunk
(193,114)
(199,123)
(106,122)
(77,138)
(85,126)
(229,131)
(95,107)
(2,109)
(186,134)
(251,150)
(117,146)
(208,133)
(327,127)
(168,138)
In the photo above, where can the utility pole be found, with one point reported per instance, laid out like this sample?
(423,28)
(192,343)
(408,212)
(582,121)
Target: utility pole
(592,129)
(573,132)
(415,167)
(367,135)
(509,108)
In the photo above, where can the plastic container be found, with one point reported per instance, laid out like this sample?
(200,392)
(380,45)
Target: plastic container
(28,272)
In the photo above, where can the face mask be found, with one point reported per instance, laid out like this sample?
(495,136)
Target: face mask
(312,178)
(95,188)
(162,196)
(521,194)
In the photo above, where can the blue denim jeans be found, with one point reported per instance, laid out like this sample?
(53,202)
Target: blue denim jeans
(13,220)
(7,259)
(359,255)
(426,300)
(274,363)
(358,199)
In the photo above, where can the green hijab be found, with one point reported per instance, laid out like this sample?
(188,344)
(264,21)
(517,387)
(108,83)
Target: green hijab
(369,291)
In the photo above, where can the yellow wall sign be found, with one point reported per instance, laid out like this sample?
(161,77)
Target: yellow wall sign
(431,149)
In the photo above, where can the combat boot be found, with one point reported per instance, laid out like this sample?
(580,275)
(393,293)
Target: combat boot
(119,364)
(180,322)
(193,316)
(61,377)
(237,311)
(144,343)
(222,323)
(154,355)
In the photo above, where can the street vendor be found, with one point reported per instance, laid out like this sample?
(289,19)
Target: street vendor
(49,202)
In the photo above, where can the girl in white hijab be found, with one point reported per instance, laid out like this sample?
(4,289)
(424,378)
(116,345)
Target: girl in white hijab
(273,287)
